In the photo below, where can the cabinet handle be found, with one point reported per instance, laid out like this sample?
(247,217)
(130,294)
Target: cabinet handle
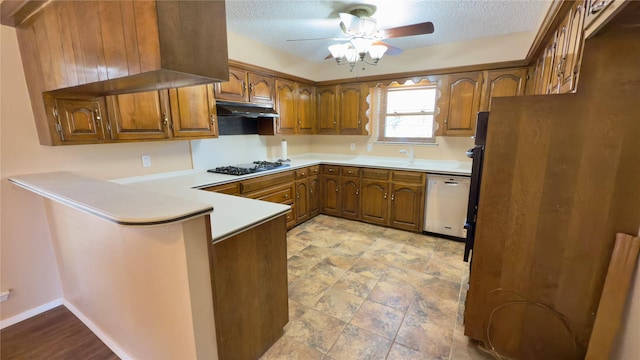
(446,120)
(350,172)
(244,87)
(385,196)
(250,89)
(298,196)
(330,170)
(165,119)
(358,192)
(301,174)
(336,189)
(285,196)
(98,117)
(311,191)
(213,119)
(393,196)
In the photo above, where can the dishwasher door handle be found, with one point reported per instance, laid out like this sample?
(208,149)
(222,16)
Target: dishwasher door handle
(451,183)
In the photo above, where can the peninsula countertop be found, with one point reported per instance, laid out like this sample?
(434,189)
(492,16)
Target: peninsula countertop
(175,196)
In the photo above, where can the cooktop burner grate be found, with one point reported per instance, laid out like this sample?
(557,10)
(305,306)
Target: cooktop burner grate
(244,169)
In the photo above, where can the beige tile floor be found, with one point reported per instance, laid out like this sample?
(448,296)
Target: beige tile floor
(360,291)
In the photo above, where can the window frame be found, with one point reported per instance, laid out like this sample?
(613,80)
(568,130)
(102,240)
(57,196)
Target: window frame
(382,112)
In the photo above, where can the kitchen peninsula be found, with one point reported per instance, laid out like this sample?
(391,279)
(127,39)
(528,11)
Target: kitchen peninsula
(148,253)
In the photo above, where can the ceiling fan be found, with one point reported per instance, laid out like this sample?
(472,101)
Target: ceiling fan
(363,37)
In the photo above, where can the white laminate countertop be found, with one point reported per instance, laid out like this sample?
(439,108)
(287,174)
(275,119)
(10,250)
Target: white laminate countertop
(117,203)
(175,196)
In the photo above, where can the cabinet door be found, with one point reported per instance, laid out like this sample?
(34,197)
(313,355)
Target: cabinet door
(139,116)
(80,120)
(314,196)
(375,203)
(193,112)
(260,89)
(235,89)
(327,120)
(547,68)
(560,55)
(286,106)
(464,103)
(306,109)
(503,83)
(302,200)
(407,203)
(331,194)
(350,197)
(352,106)
(573,53)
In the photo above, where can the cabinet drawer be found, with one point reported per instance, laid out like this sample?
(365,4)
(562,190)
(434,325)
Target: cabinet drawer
(350,171)
(331,169)
(314,170)
(408,177)
(231,189)
(377,174)
(289,218)
(282,194)
(302,173)
(264,182)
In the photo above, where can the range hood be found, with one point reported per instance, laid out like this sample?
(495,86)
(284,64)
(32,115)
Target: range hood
(225,108)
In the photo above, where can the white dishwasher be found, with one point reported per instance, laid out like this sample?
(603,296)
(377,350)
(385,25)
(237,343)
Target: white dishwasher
(446,205)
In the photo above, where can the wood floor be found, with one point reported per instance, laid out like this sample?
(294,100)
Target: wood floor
(55,334)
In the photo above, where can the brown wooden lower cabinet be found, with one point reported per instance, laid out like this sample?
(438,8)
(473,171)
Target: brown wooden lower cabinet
(314,196)
(249,284)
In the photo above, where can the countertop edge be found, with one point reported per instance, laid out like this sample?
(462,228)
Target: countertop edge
(190,209)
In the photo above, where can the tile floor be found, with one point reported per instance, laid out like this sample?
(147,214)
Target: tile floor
(360,291)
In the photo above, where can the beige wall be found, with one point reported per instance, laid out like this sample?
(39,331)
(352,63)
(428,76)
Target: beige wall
(145,290)
(27,263)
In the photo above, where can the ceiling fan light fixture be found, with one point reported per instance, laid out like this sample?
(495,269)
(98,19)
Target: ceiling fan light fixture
(338,51)
(361,44)
(376,52)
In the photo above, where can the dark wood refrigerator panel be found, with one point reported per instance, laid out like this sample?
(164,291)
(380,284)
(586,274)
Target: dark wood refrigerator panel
(561,177)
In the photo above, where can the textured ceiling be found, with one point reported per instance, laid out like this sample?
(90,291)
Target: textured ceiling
(273,22)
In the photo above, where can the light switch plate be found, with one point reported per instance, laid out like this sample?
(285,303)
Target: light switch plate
(146,160)
(352,146)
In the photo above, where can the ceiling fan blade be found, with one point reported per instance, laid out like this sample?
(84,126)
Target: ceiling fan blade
(391,50)
(408,30)
(329,38)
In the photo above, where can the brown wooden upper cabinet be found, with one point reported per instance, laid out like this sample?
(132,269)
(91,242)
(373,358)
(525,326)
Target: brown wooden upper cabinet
(557,68)
(286,106)
(81,49)
(327,121)
(342,109)
(79,121)
(186,112)
(498,83)
(296,105)
(461,98)
(306,102)
(246,86)
(193,112)
(139,116)
(352,108)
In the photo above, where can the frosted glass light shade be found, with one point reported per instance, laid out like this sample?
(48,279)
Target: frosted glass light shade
(337,50)
(376,51)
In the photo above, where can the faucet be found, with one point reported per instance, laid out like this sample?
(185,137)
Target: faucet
(410,154)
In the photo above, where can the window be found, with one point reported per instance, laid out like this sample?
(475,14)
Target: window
(407,113)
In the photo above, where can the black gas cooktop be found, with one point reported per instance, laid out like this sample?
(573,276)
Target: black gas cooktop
(244,169)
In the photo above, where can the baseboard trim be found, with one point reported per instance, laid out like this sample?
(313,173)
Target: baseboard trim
(30,313)
(97,331)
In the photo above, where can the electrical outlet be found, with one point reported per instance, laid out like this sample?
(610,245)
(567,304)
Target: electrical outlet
(4,296)
(369,147)
(352,146)
(146,160)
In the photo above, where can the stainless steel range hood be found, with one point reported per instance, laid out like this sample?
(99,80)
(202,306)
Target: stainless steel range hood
(245,110)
